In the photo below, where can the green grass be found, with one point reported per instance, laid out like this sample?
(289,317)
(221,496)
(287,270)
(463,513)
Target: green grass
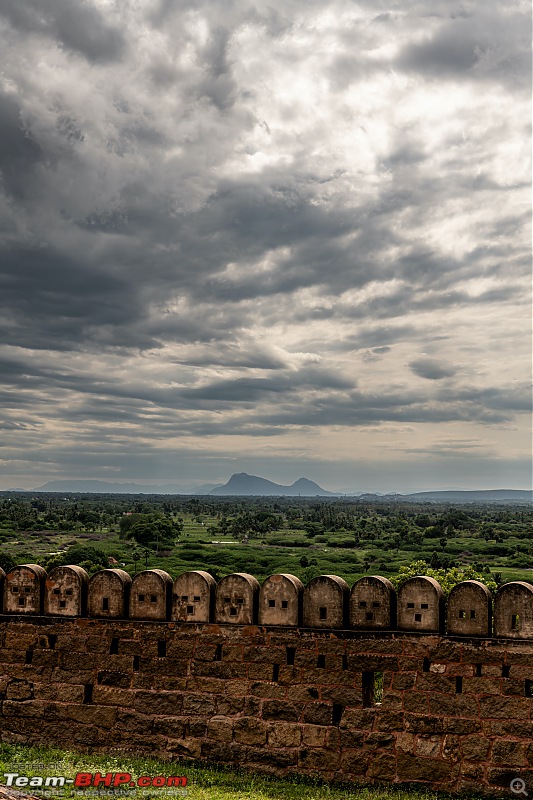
(204,782)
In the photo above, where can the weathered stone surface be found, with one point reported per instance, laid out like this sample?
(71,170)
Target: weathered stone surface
(414,768)
(248,730)
(220,729)
(280,710)
(284,735)
(307,718)
(507,751)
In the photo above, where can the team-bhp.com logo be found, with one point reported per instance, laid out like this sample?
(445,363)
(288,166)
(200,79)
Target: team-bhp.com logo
(86,780)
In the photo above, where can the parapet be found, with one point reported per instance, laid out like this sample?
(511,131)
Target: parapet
(469,610)
(236,599)
(109,594)
(150,595)
(280,600)
(193,596)
(24,590)
(66,592)
(373,604)
(513,611)
(421,605)
(325,602)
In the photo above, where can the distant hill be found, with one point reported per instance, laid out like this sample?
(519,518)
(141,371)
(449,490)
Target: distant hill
(479,496)
(103,487)
(242,485)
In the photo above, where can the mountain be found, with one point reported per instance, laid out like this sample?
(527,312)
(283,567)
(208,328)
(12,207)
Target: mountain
(472,496)
(241,484)
(103,487)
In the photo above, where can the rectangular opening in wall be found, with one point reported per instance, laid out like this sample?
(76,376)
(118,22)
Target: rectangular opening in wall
(136,663)
(62,604)
(141,598)
(362,603)
(57,591)
(367,688)
(29,656)
(345,662)
(22,601)
(515,622)
(105,603)
(462,614)
(378,688)
(376,604)
(190,610)
(321,662)
(113,648)
(418,617)
(528,687)
(233,612)
(161,648)
(410,605)
(322,613)
(369,616)
(424,605)
(88,693)
(275,672)
(272,604)
(69,592)
(426,665)
(291,652)
(196,598)
(478,670)
(505,670)
(52,639)
(284,603)
(337,713)
(153,598)
(472,613)
(458,685)
(218,653)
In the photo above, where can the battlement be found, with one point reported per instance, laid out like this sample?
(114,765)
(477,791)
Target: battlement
(358,684)
(327,602)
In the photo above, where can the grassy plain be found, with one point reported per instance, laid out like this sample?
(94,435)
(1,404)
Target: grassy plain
(203,782)
(262,536)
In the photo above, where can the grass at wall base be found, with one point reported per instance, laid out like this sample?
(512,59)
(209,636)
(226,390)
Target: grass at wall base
(204,782)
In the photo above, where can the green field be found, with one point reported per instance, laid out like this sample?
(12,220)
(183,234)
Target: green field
(306,537)
(203,782)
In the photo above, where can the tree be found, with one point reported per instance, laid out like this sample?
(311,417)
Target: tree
(447,577)
(151,530)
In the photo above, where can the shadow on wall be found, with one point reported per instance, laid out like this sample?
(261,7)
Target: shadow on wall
(325,603)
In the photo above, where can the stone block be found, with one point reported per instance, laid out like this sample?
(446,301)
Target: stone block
(507,751)
(220,729)
(248,730)
(314,735)
(283,735)
(283,711)
(414,768)
(475,748)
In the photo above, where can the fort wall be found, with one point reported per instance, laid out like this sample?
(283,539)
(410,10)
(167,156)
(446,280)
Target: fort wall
(452,712)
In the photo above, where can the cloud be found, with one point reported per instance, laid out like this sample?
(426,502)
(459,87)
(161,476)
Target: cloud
(432,369)
(246,223)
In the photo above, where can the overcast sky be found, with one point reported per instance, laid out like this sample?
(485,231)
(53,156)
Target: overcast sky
(287,238)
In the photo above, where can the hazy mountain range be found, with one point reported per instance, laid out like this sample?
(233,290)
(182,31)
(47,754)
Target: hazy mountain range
(243,485)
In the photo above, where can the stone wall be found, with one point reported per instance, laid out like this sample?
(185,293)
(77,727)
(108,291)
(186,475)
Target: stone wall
(455,712)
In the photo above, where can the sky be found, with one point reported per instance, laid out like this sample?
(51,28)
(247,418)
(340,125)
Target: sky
(283,238)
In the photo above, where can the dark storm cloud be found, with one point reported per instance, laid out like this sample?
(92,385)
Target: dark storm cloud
(74,24)
(480,44)
(248,221)
(432,369)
